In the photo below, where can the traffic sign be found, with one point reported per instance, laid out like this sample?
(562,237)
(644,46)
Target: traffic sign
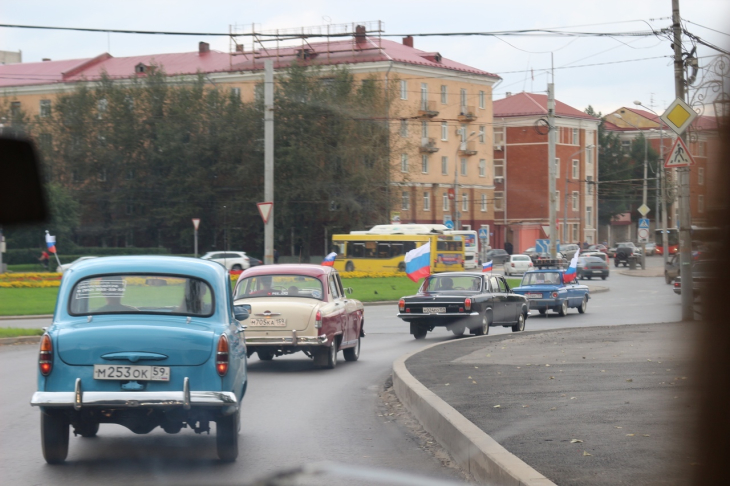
(679,116)
(265,210)
(196,223)
(644,223)
(449,224)
(542,246)
(643,235)
(483,234)
(679,156)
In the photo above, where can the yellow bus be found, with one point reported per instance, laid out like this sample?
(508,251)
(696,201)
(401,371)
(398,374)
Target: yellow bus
(386,253)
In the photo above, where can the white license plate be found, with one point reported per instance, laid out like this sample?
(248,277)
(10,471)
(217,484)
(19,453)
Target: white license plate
(534,296)
(132,372)
(278,322)
(597,271)
(434,310)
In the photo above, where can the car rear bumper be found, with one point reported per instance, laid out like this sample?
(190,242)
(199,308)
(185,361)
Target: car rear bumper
(283,340)
(446,316)
(186,399)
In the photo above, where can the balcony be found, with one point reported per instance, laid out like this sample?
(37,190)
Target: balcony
(467,114)
(428,146)
(468,148)
(427,109)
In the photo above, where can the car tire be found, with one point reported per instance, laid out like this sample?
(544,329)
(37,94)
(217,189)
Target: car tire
(420,333)
(542,312)
(402,266)
(327,358)
(226,436)
(236,267)
(483,328)
(520,326)
(352,354)
(349,267)
(87,430)
(603,277)
(563,311)
(583,305)
(615,263)
(458,331)
(589,277)
(265,355)
(54,437)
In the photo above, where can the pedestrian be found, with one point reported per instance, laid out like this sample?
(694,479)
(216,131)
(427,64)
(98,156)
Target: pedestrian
(508,248)
(585,245)
(44,259)
(276,255)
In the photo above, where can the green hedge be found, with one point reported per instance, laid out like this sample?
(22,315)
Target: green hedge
(30,255)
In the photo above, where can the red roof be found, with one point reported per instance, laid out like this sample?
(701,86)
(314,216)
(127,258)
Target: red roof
(345,51)
(702,122)
(526,104)
(287,269)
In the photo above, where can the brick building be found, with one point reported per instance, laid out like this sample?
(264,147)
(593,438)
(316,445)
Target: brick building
(521,172)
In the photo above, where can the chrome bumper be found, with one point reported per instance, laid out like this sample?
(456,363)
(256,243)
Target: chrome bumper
(186,399)
(444,314)
(292,340)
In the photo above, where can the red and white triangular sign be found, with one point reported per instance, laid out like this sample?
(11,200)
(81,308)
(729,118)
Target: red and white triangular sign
(265,210)
(679,156)
(196,223)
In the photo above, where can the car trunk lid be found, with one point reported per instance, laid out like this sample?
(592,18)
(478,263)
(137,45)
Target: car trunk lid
(280,314)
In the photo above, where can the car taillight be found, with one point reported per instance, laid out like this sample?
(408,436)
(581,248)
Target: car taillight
(555,295)
(221,357)
(467,304)
(318,320)
(45,356)
(676,284)
(529,264)
(513,265)
(401,305)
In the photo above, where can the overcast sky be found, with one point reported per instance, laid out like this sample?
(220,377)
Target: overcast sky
(520,61)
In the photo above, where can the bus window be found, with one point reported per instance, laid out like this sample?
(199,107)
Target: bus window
(409,245)
(356,250)
(396,249)
(371,249)
(339,248)
(383,250)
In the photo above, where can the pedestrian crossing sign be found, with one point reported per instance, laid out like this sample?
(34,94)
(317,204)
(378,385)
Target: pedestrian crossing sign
(679,156)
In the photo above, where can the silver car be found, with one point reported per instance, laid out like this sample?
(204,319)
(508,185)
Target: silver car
(517,264)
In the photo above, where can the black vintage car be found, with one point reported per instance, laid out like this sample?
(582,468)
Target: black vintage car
(464,300)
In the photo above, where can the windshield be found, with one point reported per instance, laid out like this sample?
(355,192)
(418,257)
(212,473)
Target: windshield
(279,286)
(141,294)
(541,278)
(455,283)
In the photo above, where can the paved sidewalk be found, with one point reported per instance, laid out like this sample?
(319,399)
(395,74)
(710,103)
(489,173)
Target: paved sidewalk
(596,406)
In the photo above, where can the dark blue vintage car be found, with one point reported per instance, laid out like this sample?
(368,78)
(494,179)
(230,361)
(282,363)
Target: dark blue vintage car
(142,342)
(546,291)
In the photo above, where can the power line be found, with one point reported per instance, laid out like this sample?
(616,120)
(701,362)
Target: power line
(704,27)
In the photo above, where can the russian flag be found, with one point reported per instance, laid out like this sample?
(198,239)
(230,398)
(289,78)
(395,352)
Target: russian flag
(487,267)
(51,242)
(329,260)
(418,262)
(570,273)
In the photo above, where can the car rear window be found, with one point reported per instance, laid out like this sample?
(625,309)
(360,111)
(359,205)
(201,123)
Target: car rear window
(539,278)
(520,258)
(279,286)
(455,283)
(141,294)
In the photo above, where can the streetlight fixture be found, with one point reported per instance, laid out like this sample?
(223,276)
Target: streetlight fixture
(661,188)
(462,147)
(565,197)
(644,188)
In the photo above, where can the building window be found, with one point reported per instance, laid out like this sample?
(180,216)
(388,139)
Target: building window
(405,200)
(444,131)
(424,163)
(589,158)
(424,129)
(101,107)
(700,176)
(499,168)
(557,167)
(498,200)
(404,90)
(464,203)
(446,201)
(575,200)
(101,176)
(589,185)
(444,165)
(574,232)
(482,134)
(404,128)
(499,136)
(45,108)
(427,201)
(463,166)
(404,163)
(484,203)
(236,93)
(701,148)
(576,139)
(701,203)
(576,169)
(481,100)
(258,92)
(557,198)
(463,100)
(482,168)
(424,96)
(589,217)
(462,131)
(626,144)
(444,98)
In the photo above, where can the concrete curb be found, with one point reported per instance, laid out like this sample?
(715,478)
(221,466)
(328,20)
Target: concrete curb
(598,290)
(469,446)
(20,340)
(633,273)
(41,316)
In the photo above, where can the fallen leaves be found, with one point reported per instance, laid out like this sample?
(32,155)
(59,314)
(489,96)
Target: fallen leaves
(497,406)
(576,441)
(586,454)
(630,380)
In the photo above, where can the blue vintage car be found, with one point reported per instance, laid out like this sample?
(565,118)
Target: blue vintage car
(546,291)
(142,342)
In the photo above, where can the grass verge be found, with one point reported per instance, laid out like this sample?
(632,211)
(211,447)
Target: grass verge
(10,332)
(375,289)
(25,302)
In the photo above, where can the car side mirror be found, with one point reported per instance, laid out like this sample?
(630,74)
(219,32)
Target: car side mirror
(349,290)
(240,312)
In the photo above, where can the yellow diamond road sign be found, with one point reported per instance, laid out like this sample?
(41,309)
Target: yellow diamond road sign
(679,116)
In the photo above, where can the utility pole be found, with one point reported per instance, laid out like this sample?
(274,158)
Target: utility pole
(643,196)
(269,158)
(685,216)
(551,168)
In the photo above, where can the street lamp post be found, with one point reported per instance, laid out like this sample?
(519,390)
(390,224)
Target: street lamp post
(565,196)
(462,146)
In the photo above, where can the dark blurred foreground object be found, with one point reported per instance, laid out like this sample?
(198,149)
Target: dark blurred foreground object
(22,200)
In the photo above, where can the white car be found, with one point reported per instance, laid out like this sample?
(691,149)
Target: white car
(232,260)
(66,266)
(517,264)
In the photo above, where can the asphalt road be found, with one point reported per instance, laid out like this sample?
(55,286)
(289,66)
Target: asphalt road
(293,414)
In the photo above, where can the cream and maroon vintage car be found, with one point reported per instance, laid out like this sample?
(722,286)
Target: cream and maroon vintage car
(299,308)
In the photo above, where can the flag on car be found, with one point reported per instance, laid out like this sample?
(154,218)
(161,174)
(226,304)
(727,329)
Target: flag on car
(418,262)
(487,267)
(570,273)
(51,242)
(329,260)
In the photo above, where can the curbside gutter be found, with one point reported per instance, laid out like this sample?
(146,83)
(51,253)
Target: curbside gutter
(13,318)
(475,451)
(20,340)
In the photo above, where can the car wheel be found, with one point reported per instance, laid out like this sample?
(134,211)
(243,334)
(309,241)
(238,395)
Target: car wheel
(327,358)
(54,437)
(402,266)
(563,311)
(265,355)
(583,305)
(226,436)
(349,267)
(236,267)
(458,331)
(520,326)
(603,277)
(87,430)
(352,354)
(420,333)
(615,263)
(589,277)
(483,328)
(542,312)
